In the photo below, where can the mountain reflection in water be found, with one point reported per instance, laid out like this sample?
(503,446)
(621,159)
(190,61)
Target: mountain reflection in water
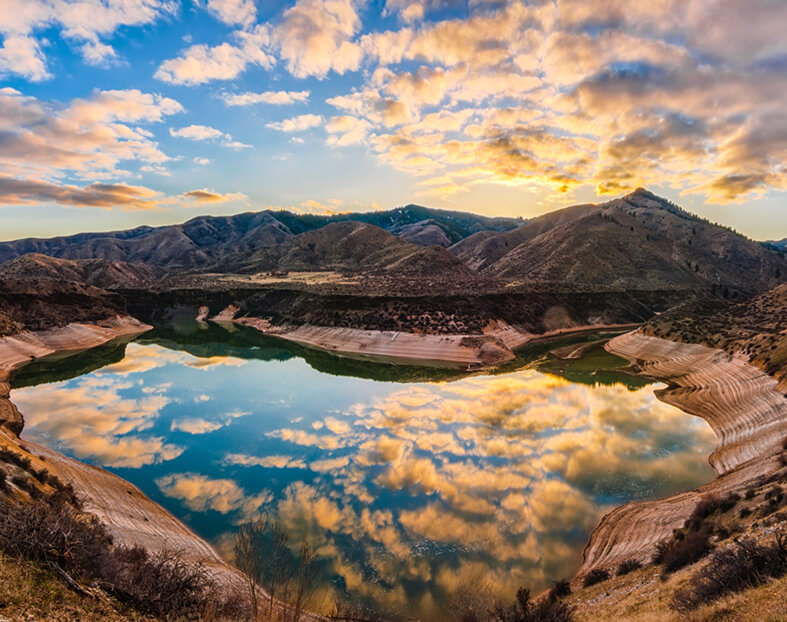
(411,483)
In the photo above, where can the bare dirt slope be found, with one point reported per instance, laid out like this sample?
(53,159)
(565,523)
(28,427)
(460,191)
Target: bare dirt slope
(639,241)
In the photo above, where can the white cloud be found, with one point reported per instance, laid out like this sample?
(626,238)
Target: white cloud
(275,98)
(205,132)
(297,124)
(79,21)
(314,37)
(195,425)
(242,12)
(23,56)
(88,138)
(199,64)
(197,132)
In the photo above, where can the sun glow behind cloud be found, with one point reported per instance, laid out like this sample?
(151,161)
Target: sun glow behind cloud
(533,103)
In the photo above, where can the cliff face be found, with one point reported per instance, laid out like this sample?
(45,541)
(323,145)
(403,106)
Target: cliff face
(742,405)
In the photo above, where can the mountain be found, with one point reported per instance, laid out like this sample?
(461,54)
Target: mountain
(779,245)
(207,239)
(637,242)
(347,246)
(97,272)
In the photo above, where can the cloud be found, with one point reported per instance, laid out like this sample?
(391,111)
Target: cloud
(199,64)
(314,37)
(242,12)
(274,461)
(197,132)
(93,420)
(21,192)
(195,425)
(274,98)
(300,123)
(204,132)
(201,493)
(82,23)
(88,138)
(347,130)
(208,196)
(23,56)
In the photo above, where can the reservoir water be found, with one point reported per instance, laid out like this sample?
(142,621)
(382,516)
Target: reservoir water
(414,485)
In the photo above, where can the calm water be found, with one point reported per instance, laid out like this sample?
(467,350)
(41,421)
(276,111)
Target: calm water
(412,484)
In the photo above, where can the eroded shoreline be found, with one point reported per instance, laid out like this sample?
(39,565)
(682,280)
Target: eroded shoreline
(465,351)
(739,401)
(130,516)
(743,407)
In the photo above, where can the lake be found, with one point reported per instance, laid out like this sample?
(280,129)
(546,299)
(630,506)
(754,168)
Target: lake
(414,485)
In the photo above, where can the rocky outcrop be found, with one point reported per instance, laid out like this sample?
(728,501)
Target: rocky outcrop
(740,403)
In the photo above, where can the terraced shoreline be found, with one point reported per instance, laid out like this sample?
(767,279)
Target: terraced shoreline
(740,402)
(743,407)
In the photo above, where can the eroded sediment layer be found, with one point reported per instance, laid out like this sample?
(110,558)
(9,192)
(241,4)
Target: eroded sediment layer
(740,403)
(420,349)
(495,345)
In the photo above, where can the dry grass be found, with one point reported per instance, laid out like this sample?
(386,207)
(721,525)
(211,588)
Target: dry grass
(642,597)
(29,591)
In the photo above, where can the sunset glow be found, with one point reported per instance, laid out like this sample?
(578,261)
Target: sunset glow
(116,114)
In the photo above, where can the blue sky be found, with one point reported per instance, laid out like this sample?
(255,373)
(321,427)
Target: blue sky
(115,114)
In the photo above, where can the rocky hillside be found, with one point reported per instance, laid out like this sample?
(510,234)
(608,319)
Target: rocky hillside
(205,240)
(348,247)
(41,303)
(637,242)
(754,329)
(97,272)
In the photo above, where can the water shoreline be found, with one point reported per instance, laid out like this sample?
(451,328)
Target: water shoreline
(738,400)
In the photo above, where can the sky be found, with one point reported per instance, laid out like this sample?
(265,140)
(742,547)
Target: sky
(117,113)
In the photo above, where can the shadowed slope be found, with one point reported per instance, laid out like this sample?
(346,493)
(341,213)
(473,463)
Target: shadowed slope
(637,242)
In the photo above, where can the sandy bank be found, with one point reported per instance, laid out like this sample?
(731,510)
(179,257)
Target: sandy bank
(495,346)
(740,403)
(438,350)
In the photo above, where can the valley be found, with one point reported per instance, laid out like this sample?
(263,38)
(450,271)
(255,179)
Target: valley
(450,306)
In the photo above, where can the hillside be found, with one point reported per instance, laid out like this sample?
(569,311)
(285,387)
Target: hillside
(637,242)
(207,239)
(41,303)
(347,247)
(97,272)
(753,329)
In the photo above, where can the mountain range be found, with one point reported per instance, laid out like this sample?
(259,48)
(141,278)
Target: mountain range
(639,242)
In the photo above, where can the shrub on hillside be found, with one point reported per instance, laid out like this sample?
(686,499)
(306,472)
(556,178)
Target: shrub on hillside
(745,564)
(683,549)
(525,610)
(597,575)
(52,531)
(560,589)
(628,566)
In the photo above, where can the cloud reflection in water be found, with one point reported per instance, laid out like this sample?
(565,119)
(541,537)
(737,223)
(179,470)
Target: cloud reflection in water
(407,491)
